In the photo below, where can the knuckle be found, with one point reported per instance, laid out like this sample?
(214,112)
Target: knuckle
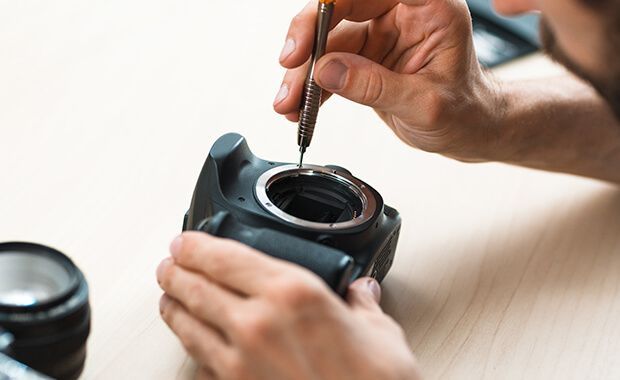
(214,260)
(164,312)
(219,252)
(194,243)
(387,322)
(185,255)
(299,292)
(189,246)
(229,245)
(374,87)
(236,320)
(257,330)
(254,331)
(195,296)
(297,21)
(168,276)
(190,344)
(216,265)
(168,314)
(235,368)
(435,108)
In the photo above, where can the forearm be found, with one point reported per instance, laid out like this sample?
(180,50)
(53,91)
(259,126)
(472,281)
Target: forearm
(558,124)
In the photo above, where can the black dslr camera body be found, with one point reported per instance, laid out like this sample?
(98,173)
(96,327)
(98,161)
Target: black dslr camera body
(319,217)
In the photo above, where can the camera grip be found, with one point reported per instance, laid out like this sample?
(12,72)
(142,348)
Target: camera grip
(333,266)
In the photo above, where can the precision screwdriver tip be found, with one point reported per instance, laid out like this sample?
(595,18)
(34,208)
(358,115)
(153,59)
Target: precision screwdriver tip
(302,150)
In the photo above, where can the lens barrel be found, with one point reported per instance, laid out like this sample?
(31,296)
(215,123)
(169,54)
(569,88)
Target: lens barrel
(44,306)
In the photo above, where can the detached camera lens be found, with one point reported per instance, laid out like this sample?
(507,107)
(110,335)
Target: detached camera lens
(28,279)
(44,306)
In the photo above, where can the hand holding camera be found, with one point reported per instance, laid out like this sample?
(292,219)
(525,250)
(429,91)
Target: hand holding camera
(244,315)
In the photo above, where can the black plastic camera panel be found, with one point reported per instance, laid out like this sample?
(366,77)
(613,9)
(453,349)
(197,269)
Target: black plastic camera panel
(319,217)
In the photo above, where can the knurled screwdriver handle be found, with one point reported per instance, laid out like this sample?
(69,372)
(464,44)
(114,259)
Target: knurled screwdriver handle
(311,97)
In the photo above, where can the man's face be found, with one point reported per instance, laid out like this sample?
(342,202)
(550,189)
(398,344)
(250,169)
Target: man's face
(583,37)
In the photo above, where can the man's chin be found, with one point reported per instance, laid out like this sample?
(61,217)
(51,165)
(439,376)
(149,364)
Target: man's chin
(609,89)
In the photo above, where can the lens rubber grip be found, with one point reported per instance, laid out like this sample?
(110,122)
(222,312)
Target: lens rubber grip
(333,266)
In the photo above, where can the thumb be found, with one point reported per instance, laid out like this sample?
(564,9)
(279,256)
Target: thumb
(360,80)
(364,293)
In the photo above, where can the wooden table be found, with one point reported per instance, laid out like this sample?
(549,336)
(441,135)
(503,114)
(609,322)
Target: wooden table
(108,109)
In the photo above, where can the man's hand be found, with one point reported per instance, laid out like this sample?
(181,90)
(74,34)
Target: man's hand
(413,61)
(244,315)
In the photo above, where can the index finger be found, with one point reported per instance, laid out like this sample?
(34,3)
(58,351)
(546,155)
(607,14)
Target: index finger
(300,36)
(229,263)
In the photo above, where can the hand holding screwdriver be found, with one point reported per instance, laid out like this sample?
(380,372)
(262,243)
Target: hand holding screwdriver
(413,62)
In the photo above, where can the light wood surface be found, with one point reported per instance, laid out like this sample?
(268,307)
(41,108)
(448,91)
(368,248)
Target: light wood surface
(108,109)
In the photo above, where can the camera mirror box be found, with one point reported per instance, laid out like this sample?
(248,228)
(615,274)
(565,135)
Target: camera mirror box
(320,217)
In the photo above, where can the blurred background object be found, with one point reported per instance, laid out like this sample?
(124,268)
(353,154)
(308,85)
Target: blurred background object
(500,39)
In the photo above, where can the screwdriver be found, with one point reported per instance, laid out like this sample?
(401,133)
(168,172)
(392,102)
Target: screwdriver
(311,98)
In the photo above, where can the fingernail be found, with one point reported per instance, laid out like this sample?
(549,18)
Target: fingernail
(162,266)
(175,246)
(375,288)
(333,75)
(288,49)
(163,302)
(281,95)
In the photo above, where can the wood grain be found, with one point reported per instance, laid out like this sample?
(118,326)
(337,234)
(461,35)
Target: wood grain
(108,109)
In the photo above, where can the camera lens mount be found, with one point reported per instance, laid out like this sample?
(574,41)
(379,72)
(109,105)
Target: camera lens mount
(315,197)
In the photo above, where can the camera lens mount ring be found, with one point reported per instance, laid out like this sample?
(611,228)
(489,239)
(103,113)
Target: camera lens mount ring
(359,189)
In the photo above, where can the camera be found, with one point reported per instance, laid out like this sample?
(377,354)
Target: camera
(319,217)
(44,313)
